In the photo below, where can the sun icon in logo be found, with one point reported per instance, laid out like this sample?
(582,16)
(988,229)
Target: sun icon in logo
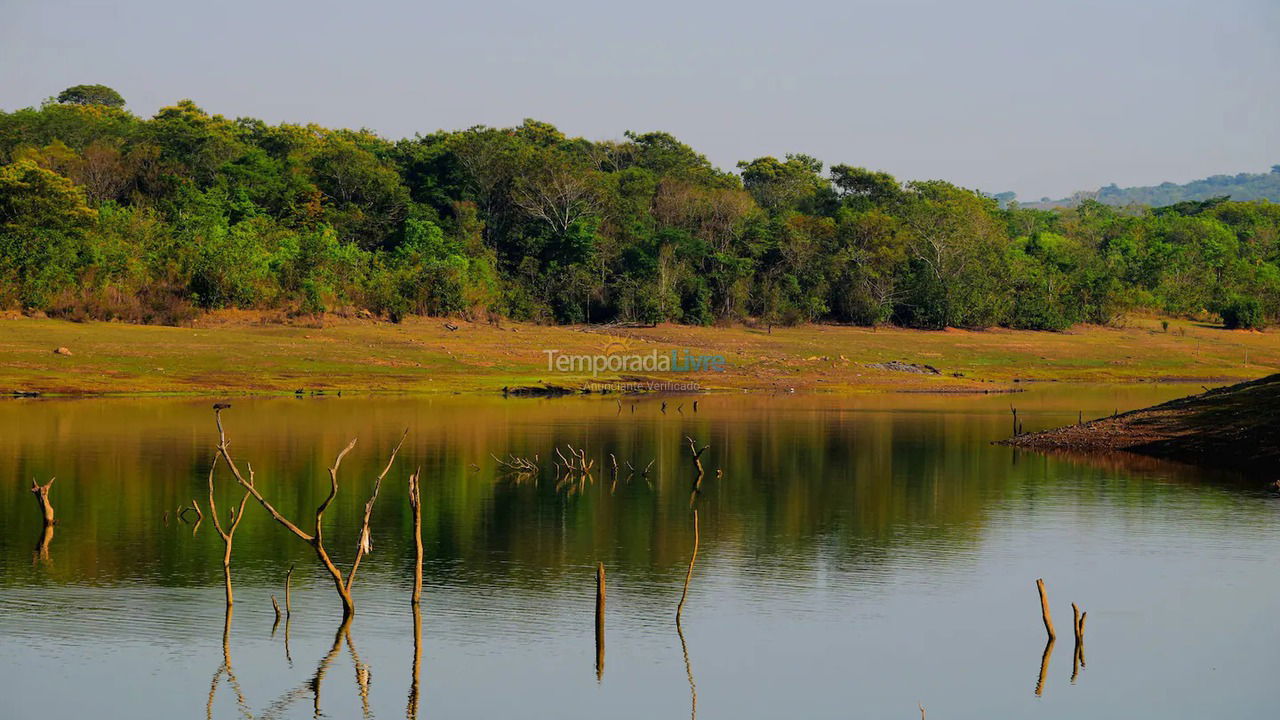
(617,346)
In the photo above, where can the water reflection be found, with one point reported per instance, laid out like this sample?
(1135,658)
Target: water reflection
(1044,666)
(225,669)
(842,524)
(411,710)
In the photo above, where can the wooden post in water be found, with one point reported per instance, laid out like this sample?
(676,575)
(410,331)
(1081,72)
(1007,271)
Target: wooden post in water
(415,502)
(600,597)
(1044,610)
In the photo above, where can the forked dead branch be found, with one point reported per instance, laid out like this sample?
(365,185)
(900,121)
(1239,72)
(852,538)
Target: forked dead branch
(315,538)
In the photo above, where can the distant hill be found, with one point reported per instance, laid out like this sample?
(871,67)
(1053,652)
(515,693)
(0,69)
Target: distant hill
(1243,187)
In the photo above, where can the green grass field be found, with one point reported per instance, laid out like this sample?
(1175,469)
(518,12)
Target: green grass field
(235,352)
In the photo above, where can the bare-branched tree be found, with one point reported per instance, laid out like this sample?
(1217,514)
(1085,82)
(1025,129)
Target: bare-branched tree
(315,538)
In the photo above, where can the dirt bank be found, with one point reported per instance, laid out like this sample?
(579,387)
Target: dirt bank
(1236,427)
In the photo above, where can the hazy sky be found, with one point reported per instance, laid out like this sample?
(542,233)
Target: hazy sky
(1038,97)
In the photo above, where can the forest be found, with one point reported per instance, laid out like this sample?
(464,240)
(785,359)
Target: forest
(106,215)
(1241,186)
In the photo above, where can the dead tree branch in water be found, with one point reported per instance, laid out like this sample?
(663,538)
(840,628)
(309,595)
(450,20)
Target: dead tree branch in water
(689,575)
(228,535)
(415,502)
(1044,609)
(42,499)
(315,538)
(41,552)
(697,454)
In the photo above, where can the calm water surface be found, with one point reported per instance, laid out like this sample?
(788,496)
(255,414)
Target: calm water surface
(857,557)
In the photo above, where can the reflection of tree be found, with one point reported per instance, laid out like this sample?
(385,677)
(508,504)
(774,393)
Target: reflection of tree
(41,554)
(411,711)
(688,669)
(1044,666)
(311,686)
(829,482)
(363,675)
(226,669)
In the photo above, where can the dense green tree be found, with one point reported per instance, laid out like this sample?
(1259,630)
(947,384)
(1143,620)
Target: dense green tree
(91,95)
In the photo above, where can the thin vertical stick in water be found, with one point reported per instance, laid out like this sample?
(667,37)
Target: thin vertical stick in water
(600,597)
(415,502)
(692,559)
(288,603)
(1044,610)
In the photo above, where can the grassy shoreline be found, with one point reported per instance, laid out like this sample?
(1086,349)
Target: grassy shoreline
(238,352)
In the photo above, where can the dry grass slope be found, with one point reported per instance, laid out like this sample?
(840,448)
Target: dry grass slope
(240,352)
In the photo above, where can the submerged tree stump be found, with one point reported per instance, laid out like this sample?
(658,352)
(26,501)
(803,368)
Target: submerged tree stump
(42,498)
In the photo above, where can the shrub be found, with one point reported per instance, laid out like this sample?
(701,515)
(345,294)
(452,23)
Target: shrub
(1242,313)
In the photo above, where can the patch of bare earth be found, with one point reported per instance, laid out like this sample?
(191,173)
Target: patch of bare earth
(1236,427)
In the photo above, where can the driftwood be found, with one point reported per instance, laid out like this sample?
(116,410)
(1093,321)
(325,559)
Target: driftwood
(315,538)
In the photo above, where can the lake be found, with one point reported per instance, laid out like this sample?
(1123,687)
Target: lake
(857,556)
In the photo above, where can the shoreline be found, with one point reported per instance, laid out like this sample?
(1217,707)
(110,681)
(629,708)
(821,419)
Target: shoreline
(1233,428)
(236,353)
